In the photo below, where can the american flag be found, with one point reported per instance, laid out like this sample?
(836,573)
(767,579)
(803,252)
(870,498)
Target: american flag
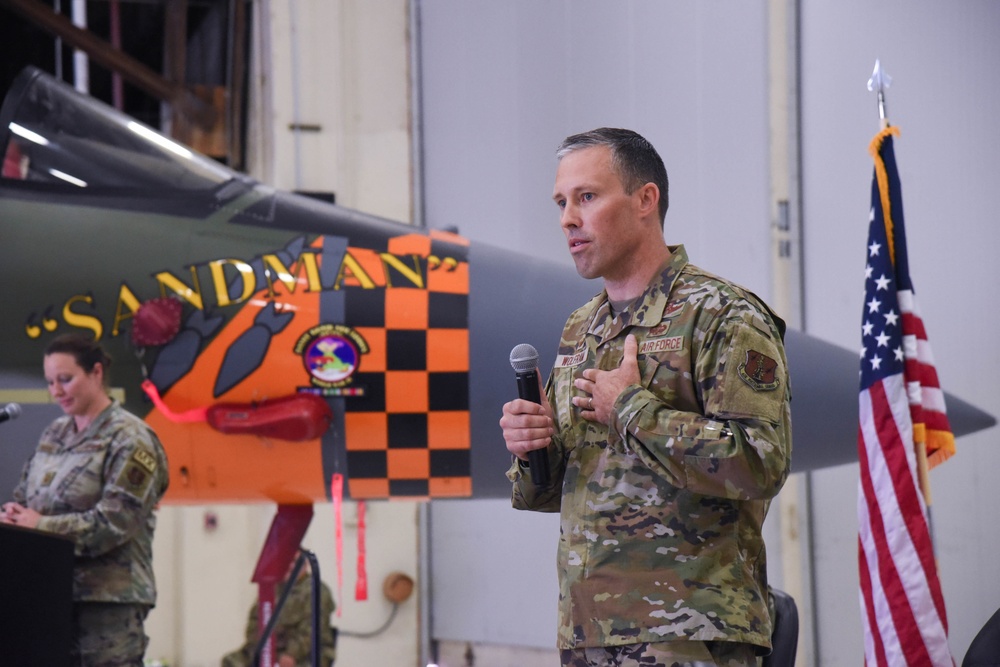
(901,413)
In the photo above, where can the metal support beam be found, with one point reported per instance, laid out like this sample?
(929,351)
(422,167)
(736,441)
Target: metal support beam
(199,111)
(794,503)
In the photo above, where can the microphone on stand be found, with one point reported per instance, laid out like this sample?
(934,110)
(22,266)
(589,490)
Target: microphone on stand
(10,411)
(524,360)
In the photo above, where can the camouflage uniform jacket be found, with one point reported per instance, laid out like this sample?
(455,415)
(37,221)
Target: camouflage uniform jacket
(293,630)
(99,487)
(660,535)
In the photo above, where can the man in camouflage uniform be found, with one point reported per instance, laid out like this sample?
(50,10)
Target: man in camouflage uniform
(293,630)
(667,429)
(96,477)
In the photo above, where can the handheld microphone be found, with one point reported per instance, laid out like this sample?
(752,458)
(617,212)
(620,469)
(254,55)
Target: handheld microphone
(524,359)
(10,411)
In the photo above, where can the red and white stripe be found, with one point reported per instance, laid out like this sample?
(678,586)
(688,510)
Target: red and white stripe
(922,385)
(901,601)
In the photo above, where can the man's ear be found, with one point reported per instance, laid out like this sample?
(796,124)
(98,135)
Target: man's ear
(649,200)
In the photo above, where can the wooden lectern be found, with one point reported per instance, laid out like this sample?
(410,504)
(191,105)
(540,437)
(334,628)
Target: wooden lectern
(36,597)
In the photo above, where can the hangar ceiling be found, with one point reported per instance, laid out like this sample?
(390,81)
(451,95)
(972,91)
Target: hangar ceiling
(177,65)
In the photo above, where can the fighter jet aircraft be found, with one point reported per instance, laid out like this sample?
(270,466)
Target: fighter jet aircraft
(274,340)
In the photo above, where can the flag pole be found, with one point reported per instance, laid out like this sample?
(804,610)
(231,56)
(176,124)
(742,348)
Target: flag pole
(878,83)
(902,605)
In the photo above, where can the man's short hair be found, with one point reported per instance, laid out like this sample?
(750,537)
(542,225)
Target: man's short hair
(633,158)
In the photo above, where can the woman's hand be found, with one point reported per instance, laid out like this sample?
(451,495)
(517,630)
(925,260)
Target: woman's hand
(19,515)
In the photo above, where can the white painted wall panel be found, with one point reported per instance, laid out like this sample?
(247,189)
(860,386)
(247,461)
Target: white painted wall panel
(944,97)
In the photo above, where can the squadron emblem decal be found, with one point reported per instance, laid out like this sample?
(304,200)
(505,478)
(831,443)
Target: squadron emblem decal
(331,354)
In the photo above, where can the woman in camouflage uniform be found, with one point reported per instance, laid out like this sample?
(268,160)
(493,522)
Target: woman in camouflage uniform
(96,475)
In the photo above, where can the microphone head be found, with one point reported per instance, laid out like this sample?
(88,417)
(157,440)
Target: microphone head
(523,358)
(13,410)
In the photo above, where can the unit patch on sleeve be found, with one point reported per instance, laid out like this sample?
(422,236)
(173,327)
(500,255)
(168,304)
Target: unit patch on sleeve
(751,384)
(145,459)
(137,474)
(757,370)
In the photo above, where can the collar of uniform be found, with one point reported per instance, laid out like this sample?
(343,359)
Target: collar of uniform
(654,300)
(101,420)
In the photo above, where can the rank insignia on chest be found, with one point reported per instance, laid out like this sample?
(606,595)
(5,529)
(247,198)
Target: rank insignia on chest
(48,477)
(757,370)
(672,308)
(659,330)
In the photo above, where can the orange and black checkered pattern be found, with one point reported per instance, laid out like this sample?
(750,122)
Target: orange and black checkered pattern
(409,435)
